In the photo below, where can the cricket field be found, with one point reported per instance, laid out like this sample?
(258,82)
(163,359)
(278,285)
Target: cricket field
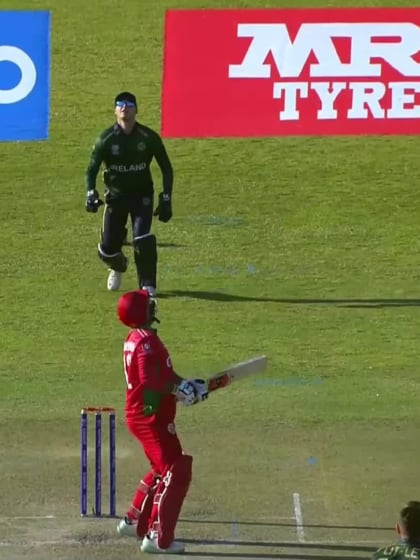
(304,249)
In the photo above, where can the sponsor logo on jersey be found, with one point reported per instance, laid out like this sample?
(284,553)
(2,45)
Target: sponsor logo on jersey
(128,168)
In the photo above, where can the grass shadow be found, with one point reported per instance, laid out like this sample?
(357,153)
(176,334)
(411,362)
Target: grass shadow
(261,555)
(252,556)
(349,303)
(168,245)
(160,244)
(281,524)
(274,544)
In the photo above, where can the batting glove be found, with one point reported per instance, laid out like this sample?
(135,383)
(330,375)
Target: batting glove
(202,390)
(186,393)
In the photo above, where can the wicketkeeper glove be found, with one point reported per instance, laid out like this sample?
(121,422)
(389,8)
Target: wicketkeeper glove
(93,202)
(164,208)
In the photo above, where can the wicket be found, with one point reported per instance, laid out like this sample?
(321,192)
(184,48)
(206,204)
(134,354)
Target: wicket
(97,411)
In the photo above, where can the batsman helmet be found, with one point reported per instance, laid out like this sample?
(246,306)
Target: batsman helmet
(136,309)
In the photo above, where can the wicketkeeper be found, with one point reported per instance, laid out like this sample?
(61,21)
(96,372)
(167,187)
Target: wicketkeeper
(127,149)
(153,390)
(408,530)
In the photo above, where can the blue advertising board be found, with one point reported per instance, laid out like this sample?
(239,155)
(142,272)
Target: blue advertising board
(24,75)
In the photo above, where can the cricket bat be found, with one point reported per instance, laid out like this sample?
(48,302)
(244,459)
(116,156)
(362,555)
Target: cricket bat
(236,372)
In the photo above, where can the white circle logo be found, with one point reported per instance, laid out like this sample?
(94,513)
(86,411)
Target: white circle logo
(27,80)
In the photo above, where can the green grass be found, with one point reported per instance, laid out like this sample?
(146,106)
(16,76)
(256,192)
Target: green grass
(305,249)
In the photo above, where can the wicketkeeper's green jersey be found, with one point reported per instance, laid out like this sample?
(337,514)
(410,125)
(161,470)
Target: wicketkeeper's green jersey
(400,551)
(127,159)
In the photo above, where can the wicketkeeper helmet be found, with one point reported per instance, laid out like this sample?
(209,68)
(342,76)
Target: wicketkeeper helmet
(135,309)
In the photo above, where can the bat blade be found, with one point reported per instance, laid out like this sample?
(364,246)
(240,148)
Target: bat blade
(236,372)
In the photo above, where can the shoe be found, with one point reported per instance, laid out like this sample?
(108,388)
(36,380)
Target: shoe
(151,290)
(127,528)
(150,545)
(114,280)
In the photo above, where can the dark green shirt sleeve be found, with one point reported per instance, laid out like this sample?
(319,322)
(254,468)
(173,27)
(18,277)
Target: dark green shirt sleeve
(151,402)
(162,158)
(152,398)
(96,159)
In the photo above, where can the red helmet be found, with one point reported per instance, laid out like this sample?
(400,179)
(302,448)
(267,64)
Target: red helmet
(134,308)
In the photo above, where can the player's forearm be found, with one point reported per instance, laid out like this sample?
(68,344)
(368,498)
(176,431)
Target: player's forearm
(91,174)
(166,168)
(96,158)
(168,180)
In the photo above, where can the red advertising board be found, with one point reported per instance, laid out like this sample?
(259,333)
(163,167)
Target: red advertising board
(276,72)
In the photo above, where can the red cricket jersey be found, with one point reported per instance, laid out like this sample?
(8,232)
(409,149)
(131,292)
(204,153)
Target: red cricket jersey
(148,366)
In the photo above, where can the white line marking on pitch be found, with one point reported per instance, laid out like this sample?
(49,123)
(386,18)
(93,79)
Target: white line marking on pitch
(4,518)
(298,517)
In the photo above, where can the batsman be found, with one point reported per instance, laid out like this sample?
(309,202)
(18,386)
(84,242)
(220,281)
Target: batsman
(127,149)
(152,393)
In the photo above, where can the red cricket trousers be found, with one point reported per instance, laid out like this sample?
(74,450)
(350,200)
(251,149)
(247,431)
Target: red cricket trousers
(160,495)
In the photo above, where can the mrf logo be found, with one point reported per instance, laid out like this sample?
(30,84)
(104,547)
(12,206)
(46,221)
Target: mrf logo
(355,67)
(280,72)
